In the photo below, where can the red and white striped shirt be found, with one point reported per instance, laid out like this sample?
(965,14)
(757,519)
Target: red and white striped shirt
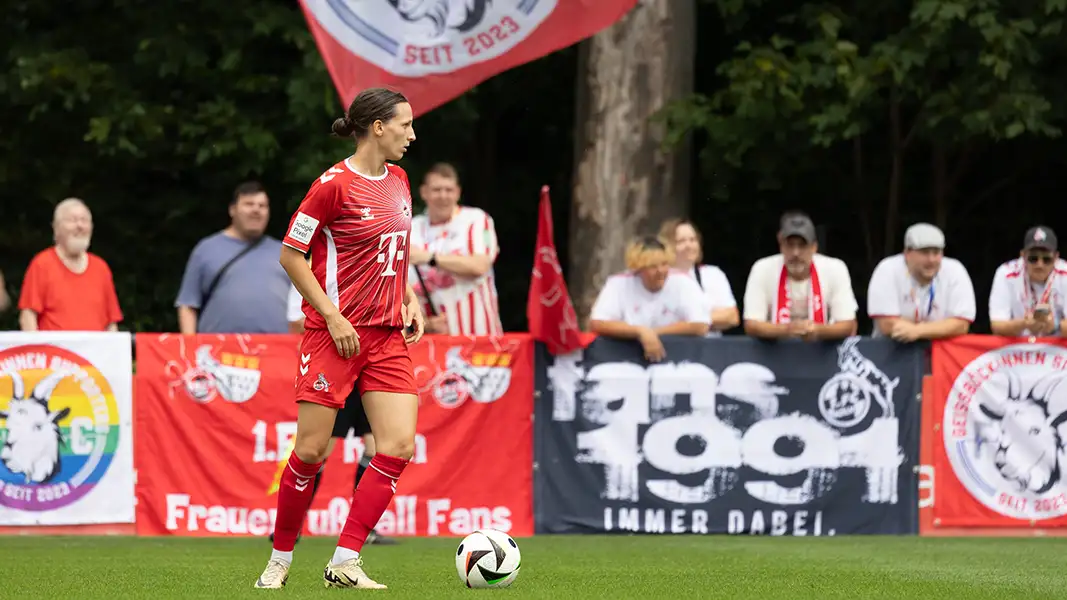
(358,229)
(469,304)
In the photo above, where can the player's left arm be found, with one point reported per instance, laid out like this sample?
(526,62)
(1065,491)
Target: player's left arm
(414,320)
(410,297)
(482,250)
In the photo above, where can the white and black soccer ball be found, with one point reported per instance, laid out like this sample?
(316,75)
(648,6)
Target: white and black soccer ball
(488,558)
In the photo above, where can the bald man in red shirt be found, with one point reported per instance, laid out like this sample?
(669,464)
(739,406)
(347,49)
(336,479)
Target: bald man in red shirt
(66,287)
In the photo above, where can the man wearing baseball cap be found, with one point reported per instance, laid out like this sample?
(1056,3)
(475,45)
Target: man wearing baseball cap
(798,292)
(1028,293)
(920,294)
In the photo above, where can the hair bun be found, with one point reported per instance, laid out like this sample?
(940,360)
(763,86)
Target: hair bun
(342,127)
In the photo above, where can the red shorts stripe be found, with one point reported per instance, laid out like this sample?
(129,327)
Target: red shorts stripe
(325,377)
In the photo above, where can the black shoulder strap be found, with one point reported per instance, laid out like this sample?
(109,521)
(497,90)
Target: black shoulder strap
(218,276)
(696,270)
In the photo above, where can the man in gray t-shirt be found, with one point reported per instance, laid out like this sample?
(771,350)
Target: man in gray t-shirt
(250,296)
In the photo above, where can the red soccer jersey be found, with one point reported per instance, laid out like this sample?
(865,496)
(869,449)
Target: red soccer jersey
(358,231)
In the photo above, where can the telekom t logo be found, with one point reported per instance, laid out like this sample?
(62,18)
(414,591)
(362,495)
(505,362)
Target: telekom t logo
(393,252)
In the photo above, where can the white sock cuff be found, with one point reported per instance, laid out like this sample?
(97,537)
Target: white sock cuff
(284,556)
(340,555)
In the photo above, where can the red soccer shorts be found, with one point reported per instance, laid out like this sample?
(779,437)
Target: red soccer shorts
(382,365)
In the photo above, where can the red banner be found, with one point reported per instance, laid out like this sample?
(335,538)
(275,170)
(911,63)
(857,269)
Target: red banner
(549,310)
(999,430)
(215,418)
(435,50)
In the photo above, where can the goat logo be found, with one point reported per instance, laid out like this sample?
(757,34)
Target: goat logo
(410,38)
(58,427)
(482,375)
(462,15)
(31,447)
(845,400)
(233,376)
(1005,432)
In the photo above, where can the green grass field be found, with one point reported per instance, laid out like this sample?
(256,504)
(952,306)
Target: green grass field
(553,566)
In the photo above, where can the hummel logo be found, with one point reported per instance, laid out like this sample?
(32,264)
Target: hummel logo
(366,214)
(304,370)
(301,484)
(392,482)
(305,358)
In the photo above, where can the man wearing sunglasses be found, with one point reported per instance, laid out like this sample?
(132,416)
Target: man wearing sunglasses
(1029,292)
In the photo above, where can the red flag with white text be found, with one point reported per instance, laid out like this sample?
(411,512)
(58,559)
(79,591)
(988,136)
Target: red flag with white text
(434,50)
(549,311)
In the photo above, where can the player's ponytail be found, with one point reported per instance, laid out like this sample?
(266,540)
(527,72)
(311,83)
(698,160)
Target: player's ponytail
(343,127)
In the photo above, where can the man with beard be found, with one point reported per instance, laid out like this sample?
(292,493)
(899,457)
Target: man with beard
(66,287)
(799,293)
(921,294)
(233,282)
(453,249)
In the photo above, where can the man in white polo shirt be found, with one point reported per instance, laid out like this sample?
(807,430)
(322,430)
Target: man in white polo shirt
(1029,292)
(649,300)
(920,294)
(799,293)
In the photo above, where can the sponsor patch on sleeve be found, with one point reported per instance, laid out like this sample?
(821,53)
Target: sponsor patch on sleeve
(303,228)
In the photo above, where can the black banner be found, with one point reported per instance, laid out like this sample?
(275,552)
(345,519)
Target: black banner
(729,435)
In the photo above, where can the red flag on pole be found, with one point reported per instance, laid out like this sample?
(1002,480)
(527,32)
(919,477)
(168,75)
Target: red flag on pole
(434,50)
(549,311)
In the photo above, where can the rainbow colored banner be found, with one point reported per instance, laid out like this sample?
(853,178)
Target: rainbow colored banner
(66,435)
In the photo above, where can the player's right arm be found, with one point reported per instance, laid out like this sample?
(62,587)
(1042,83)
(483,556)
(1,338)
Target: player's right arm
(303,279)
(320,207)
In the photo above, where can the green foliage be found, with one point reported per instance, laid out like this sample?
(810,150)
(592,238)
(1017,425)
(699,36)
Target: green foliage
(821,73)
(153,117)
(153,112)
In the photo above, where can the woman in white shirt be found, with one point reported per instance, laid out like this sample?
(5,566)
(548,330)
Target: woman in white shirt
(648,300)
(688,252)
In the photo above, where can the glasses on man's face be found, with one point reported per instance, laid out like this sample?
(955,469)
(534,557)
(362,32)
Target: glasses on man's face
(1035,258)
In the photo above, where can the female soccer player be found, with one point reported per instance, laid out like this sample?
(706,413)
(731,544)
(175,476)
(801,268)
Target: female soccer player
(361,315)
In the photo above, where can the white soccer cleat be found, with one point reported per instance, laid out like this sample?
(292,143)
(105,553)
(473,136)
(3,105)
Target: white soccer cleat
(349,574)
(274,576)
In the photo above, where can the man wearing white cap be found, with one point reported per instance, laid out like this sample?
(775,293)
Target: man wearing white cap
(1029,292)
(920,294)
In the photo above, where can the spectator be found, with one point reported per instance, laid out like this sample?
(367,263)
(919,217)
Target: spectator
(920,294)
(66,287)
(1029,292)
(688,252)
(233,282)
(5,300)
(453,249)
(799,293)
(650,301)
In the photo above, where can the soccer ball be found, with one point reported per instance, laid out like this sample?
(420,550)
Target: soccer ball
(487,558)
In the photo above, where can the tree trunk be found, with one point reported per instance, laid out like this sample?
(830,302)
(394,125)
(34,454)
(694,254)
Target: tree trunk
(896,173)
(625,184)
(861,200)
